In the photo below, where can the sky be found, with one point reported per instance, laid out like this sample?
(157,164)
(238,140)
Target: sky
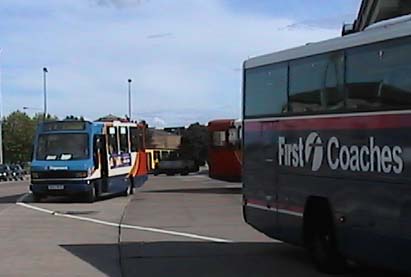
(184,56)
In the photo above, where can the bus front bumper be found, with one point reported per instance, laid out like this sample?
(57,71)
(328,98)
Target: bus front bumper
(61,188)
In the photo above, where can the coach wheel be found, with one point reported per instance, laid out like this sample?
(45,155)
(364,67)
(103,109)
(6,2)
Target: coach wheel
(322,246)
(320,237)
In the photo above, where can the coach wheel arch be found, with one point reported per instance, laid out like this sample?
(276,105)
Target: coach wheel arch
(320,237)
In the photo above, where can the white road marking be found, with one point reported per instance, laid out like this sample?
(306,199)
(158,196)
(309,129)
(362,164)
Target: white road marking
(117,225)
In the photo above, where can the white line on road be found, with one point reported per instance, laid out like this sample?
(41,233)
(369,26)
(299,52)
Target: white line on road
(117,225)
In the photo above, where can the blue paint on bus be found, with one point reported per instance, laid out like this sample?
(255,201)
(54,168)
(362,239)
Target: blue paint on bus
(80,158)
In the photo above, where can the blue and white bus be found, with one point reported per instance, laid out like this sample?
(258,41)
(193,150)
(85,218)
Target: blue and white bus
(88,158)
(327,147)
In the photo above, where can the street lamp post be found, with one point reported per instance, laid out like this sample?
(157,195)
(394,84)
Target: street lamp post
(45,71)
(129,99)
(1,115)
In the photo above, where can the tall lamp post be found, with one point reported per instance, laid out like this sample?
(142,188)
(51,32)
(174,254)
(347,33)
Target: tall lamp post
(1,115)
(129,99)
(45,71)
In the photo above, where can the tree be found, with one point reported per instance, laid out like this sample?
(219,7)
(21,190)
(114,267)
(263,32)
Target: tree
(18,134)
(39,117)
(194,143)
(74,118)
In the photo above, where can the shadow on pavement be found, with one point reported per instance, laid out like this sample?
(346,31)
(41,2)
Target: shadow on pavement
(203,259)
(236,190)
(75,199)
(10,199)
(103,257)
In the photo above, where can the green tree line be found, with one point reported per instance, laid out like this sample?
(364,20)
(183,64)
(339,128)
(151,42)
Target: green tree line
(18,134)
(194,143)
(19,129)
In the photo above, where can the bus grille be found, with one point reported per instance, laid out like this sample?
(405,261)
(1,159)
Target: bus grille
(56,174)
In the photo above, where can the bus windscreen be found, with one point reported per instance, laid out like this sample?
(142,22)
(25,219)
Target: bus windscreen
(63,147)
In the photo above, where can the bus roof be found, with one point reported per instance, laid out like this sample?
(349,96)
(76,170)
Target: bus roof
(221,124)
(369,36)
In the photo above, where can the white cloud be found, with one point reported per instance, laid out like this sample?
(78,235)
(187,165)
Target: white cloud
(158,122)
(185,76)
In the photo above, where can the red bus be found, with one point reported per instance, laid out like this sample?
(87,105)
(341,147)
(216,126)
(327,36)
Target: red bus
(224,153)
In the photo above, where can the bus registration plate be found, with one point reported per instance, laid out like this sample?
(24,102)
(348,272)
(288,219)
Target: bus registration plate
(56,187)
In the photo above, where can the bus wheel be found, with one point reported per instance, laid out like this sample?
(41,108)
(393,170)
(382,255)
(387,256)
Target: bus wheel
(125,193)
(91,195)
(321,240)
(36,197)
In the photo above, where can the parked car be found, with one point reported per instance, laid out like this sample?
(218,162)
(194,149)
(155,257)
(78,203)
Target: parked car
(172,167)
(17,172)
(5,173)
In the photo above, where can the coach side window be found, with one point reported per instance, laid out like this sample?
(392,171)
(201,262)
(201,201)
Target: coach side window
(379,76)
(316,84)
(266,90)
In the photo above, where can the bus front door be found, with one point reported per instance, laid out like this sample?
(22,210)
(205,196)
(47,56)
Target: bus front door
(104,164)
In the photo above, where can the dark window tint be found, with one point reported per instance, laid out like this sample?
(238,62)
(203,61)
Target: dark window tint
(123,139)
(316,84)
(156,155)
(134,139)
(112,140)
(164,154)
(379,76)
(266,90)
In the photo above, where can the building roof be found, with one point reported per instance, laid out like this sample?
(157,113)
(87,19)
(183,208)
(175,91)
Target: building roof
(373,11)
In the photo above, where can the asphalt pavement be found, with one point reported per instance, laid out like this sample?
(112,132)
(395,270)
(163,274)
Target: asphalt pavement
(172,226)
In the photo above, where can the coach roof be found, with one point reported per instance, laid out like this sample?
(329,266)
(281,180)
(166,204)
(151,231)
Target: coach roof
(382,33)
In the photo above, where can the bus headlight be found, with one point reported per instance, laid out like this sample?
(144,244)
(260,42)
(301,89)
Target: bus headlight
(82,174)
(34,175)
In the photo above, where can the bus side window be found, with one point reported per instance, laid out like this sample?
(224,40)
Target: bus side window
(124,148)
(164,155)
(232,136)
(134,139)
(316,83)
(156,155)
(239,137)
(96,150)
(219,138)
(112,141)
(378,76)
